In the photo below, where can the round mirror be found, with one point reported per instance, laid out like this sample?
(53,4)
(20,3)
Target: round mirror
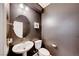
(21,26)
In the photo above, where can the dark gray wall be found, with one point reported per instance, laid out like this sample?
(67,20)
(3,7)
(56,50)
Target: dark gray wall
(60,25)
(32,17)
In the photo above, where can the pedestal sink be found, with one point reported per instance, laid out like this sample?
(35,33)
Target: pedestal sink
(22,48)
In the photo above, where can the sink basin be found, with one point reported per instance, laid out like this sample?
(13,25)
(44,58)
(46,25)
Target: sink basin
(22,47)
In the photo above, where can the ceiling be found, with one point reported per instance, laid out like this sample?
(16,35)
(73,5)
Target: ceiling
(43,5)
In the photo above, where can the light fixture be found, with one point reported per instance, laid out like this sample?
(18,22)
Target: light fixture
(21,6)
(36,25)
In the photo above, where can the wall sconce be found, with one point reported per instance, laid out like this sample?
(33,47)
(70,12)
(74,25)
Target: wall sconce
(36,25)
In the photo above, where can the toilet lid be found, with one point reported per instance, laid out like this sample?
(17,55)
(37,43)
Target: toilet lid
(44,51)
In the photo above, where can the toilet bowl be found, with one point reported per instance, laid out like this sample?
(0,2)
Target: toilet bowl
(41,51)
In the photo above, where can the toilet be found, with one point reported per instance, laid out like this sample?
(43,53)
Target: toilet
(41,51)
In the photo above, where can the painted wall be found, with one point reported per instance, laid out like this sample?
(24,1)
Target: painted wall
(1,30)
(32,17)
(60,25)
(3,46)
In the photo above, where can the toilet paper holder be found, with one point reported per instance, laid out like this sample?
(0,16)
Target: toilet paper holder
(54,45)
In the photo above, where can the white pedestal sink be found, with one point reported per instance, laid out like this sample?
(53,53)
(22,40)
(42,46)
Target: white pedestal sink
(22,48)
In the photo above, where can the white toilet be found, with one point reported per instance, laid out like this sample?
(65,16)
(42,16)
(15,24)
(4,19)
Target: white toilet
(41,51)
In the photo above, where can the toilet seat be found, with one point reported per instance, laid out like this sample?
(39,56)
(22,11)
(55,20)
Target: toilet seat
(43,52)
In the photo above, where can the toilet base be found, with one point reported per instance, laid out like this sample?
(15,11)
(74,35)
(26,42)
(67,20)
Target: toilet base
(36,54)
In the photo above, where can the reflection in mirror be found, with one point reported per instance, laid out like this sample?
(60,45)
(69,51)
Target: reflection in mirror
(21,26)
(18,28)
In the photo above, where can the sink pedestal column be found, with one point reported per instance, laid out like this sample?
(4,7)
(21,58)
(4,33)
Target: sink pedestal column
(25,54)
